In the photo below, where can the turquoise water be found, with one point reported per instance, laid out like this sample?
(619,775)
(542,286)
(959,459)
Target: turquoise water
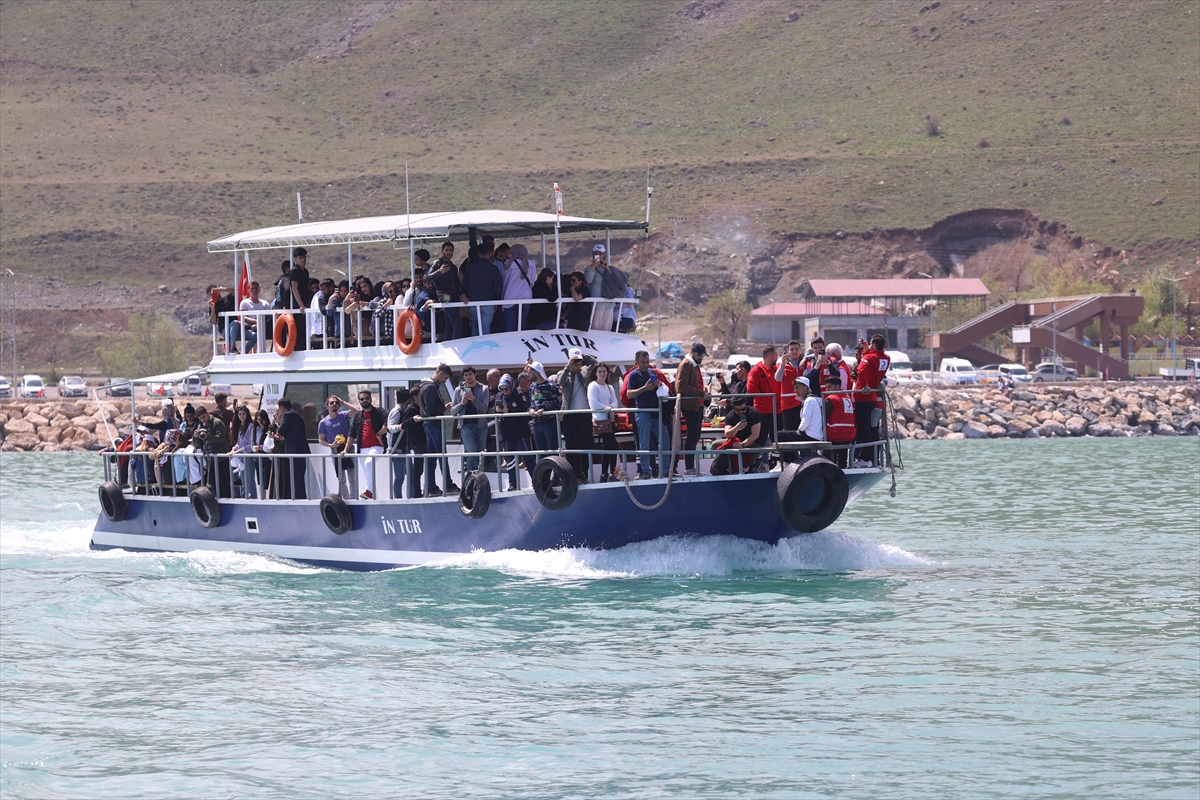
(1020,621)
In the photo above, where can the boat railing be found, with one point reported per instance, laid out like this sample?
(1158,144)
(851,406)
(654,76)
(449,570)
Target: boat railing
(275,476)
(361,323)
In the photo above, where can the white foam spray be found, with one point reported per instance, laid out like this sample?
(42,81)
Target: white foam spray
(827,551)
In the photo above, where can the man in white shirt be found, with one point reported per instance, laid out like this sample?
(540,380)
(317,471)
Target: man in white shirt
(249,323)
(812,422)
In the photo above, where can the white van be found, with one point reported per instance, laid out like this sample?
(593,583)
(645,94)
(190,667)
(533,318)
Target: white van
(957,370)
(899,366)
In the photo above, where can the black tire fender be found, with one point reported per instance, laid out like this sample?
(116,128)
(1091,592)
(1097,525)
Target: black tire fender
(811,495)
(336,514)
(475,496)
(112,501)
(554,483)
(205,507)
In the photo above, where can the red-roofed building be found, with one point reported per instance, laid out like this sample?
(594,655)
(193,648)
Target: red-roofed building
(845,310)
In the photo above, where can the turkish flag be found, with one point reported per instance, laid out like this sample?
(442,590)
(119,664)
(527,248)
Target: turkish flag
(243,287)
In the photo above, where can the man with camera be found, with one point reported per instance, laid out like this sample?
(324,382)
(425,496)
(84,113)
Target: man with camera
(471,398)
(604,280)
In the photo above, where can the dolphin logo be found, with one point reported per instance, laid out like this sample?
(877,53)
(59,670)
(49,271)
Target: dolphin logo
(484,345)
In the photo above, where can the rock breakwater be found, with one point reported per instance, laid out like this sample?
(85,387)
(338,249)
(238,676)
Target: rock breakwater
(49,425)
(1060,410)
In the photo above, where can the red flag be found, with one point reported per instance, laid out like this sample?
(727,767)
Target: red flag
(243,288)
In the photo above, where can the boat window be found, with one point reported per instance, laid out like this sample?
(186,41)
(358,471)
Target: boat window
(309,399)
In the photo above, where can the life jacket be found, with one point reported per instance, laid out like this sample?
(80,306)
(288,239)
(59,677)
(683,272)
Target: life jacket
(839,424)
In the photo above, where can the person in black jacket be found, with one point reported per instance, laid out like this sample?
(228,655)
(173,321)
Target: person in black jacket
(482,282)
(434,404)
(294,440)
(443,274)
(367,432)
(400,443)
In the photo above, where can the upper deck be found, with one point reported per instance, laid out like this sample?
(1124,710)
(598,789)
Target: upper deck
(363,347)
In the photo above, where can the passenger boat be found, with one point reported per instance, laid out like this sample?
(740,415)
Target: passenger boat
(804,492)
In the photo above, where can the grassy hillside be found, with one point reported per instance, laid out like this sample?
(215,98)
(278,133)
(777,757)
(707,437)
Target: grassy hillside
(131,132)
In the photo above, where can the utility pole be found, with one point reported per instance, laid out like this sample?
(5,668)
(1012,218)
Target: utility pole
(1174,319)
(13,280)
(932,317)
(659,293)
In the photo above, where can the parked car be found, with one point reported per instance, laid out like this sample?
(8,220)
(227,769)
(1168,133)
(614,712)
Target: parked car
(899,367)
(5,388)
(1048,372)
(119,387)
(32,386)
(192,386)
(72,386)
(160,389)
(993,372)
(957,370)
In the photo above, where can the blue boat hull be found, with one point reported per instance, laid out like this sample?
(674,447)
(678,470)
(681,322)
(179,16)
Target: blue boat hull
(389,533)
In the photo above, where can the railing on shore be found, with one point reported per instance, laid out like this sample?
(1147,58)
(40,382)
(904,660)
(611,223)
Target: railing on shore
(365,330)
(275,476)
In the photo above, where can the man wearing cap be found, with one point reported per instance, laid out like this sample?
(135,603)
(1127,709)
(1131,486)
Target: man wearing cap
(604,280)
(513,406)
(577,428)
(216,443)
(689,385)
(812,418)
(545,397)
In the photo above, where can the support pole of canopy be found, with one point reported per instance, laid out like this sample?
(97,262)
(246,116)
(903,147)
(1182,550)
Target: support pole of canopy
(558,209)
(543,251)
(350,263)
(412,259)
(237,301)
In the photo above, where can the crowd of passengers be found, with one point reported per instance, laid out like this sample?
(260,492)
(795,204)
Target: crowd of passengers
(814,396)
(329,312)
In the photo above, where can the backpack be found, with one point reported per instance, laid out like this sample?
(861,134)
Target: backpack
(282,294)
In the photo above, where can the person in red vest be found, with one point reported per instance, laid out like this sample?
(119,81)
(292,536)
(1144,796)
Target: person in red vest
(868,402)
(839,418)
(790,368)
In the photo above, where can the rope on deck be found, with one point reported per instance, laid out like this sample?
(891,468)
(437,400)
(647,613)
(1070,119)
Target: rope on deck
(670,465)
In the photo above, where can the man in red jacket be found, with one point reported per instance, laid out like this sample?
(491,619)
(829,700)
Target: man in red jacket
(872,369)
(761,381)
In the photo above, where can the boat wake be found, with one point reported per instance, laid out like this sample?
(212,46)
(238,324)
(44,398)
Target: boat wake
(827,551)
(27,539)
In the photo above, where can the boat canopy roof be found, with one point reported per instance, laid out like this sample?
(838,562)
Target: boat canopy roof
(453,225)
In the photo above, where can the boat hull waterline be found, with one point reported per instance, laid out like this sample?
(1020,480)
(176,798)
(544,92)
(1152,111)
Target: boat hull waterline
(400,533)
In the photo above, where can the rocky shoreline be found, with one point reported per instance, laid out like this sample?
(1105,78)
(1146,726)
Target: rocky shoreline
(1059,410)
(54,425)
(960,412)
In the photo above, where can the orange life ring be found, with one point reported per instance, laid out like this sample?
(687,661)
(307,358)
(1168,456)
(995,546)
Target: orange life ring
(406,345)
(281,322)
